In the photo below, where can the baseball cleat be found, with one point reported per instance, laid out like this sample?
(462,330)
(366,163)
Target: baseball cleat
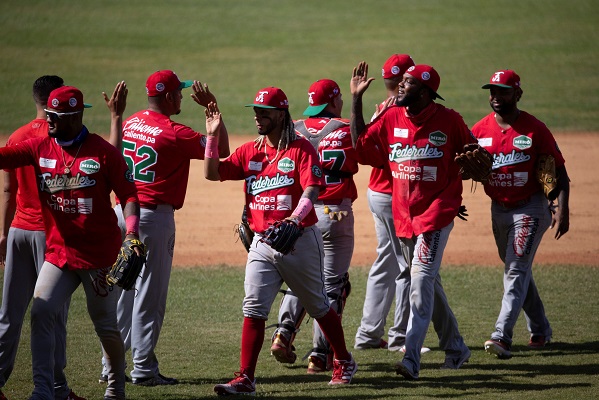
(317,365)
(538,342)
(343,371)
(456,363)
(282,350)
(498,348)
(104,379)
(240,385)
(73,396)
(157,380)
(403,370)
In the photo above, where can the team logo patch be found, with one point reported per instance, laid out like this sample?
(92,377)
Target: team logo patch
(72,102)
(429,173)
(395,70)
(89,166)
(437,138)
(129,176)
(316,171)
(522,142)
(55,102)
(85,205)
(520,178)
(286,165)
(284,202)
(160,86)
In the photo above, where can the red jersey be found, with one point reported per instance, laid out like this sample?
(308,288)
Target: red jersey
(427,186)
(158,152)
(380,176)
(273,184)
(515,152)
(81,227)
(337,155)
(28,215)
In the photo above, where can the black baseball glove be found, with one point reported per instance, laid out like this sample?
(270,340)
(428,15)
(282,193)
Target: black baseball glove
(243,230)
(128,265)
(282,235)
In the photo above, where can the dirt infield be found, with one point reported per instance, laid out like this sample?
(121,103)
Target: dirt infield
(205,225)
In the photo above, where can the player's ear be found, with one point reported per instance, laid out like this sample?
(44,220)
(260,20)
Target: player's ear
(518,94)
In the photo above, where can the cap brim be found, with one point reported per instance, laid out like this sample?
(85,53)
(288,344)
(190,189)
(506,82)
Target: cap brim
(439,97)
(314,110)
(259,106)
(85,105)
(185,84)
(490,85)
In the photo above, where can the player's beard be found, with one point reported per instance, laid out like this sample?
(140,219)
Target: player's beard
(407,100)
(267,129)
(59,134)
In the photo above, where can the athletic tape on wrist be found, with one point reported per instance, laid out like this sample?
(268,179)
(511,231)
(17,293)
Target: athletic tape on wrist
(303,208)
(132,224)
(211,147)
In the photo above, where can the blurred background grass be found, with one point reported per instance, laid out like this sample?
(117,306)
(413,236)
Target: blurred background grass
(239,47)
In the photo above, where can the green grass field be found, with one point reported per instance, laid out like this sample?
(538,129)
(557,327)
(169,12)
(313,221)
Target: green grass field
(239,47)
(199,344)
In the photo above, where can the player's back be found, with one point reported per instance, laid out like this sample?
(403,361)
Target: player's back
(158,152)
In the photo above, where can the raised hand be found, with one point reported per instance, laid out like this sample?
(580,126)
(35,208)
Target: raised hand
(213,119)
(118,101)
(359,80)
(201,94)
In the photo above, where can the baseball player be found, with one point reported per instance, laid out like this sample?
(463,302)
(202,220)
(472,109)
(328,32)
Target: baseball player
(282,177)
(77,172)
(22,247)
(520,212)
(389,275)
(158,151)
(330,136)
(419,138)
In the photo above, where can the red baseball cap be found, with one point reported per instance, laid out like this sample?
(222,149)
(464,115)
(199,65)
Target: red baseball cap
(320,95)
(396,65)
(504,78)
(427,75)
(66,99)
(164,81)
(270,97)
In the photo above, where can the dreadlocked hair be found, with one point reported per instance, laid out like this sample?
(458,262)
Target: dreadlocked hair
(288,134)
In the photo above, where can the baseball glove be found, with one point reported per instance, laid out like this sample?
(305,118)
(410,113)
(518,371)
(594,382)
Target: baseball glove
(243,230)
(547,176)
(128,265)
(475,162)
(282,235)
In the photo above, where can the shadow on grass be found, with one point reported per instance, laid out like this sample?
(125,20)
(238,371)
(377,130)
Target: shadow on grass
(494,378)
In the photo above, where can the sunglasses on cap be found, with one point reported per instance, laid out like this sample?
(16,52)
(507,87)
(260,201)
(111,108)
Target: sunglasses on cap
(55,116)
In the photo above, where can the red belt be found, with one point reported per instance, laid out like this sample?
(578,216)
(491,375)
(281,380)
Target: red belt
(153,207)
(512,204)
